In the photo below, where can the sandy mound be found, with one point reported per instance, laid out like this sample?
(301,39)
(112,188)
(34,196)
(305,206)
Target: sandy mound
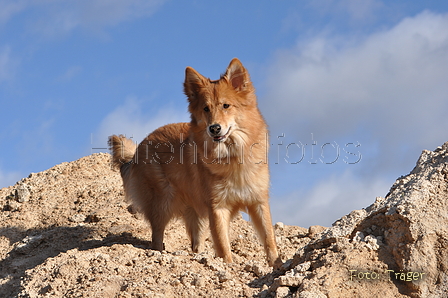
(67,232)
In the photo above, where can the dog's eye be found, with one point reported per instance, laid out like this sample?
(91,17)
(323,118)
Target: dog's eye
(225,106)
(206,109)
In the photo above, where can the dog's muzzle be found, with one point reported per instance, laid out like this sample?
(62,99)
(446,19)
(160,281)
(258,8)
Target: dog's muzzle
(215,132)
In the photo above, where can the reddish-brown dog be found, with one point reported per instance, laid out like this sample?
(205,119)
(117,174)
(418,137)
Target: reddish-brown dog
(207,170)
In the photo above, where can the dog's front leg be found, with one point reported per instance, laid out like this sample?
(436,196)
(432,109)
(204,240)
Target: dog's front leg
(261,217)
(219,226)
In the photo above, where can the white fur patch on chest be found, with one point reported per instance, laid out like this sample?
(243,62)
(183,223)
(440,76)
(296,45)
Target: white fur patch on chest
(240,188)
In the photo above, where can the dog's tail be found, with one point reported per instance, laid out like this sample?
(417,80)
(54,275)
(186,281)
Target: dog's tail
(122,150)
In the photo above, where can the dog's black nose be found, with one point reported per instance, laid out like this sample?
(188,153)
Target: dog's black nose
(214,129)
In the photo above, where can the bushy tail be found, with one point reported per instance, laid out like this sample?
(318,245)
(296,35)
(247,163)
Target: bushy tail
(122,150)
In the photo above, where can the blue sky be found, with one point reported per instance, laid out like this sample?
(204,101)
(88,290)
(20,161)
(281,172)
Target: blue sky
(352,90)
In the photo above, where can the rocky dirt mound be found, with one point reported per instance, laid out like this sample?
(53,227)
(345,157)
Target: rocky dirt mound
(396,247)
(67,232)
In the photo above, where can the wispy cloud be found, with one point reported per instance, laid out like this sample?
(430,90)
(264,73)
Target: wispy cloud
(361,10)
(387,90)
(70,73)
(7,64)
(58,17)
(313,16)
(8,8)
(354,9)
(133,121)
(329,200)
(392,84)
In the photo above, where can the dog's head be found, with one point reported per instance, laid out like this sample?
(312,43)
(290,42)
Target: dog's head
(221,107)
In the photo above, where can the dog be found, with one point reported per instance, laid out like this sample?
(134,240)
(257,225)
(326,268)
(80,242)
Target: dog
(207,170)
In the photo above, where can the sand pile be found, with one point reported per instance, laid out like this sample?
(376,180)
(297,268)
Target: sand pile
(67,232)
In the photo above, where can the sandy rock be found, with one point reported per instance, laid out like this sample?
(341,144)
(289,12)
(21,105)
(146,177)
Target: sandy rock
(313,231)
(22,193)
(279,226)
(67,232)
(282,292)
(257,268)
(396,247)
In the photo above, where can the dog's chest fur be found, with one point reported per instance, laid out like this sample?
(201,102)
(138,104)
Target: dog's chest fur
(240,184)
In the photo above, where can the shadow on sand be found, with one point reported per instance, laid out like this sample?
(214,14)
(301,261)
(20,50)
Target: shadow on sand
(33,247)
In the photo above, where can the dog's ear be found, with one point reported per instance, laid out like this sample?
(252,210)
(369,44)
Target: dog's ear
(194,82)
(237,75)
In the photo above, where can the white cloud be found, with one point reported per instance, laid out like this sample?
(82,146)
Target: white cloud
(310,15)
(360,10)
(55,17)
(8,8)
(131,120)
(353,9)
(393,83)
(327,201)
(388,88)
(114,11)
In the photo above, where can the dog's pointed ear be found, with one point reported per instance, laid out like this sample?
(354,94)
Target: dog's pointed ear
(237,75)
(194,82)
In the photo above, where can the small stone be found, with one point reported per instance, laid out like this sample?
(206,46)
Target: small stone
(224,276)
(314,230)
(372,242)
(260,270)
(199,281)
(359,236)
(303,267)
(78,218)
(22,193)
(290,281)
(279,226)
(282,292)
(180,253)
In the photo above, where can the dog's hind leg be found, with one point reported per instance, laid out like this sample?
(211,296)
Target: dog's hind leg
(158,217)
(158,231)
(195,226)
